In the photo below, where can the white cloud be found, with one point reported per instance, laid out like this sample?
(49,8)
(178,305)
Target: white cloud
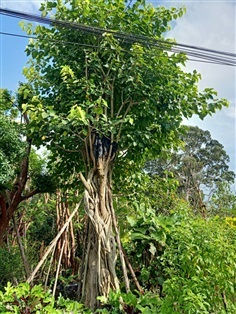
(231,111)
(211,24)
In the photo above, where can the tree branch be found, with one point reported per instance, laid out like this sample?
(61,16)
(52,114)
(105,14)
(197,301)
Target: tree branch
(132,272)
(125,114)
(85,183)
(3,207)
(112,97)
(19,185)
(68,150)
(122,106)
(30,194)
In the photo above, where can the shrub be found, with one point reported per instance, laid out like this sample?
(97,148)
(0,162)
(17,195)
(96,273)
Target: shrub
(11,267)
(26,299)
(199,262)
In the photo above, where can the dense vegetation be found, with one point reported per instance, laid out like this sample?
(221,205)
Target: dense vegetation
(122,213)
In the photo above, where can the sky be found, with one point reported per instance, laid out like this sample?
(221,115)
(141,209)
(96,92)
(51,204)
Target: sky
(207,23)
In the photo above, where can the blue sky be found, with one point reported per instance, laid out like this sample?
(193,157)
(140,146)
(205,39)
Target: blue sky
(207,23)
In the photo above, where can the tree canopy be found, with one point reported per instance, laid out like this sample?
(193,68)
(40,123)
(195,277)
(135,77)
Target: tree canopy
(11,144)
(122,89)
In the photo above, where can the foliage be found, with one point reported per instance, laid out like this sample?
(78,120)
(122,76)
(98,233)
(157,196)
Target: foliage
(110,99)
(199,262)
(11,144)
(44,182)
(223,200)
(189,261)
(161,193)
(121,94)
(11,267)
(41,217)
(22,172)
(149,235)
(26,299)
(118,303)
(185,264)
(7,104)
(158,193)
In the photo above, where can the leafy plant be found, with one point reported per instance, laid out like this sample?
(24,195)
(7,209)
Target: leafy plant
(26,299)
(11,267)
(118,303)
(199,262)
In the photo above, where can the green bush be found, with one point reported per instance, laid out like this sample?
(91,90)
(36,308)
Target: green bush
(11,267)
(190,261)
(200,264)
(148,237)
(26,299)
(118,303)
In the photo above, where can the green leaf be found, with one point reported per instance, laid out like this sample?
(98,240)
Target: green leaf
(152,249)
(131,121)
(131,221)
(24,107)
(34,54)
(78,113)
(139,236)
(51,5)
(44,115)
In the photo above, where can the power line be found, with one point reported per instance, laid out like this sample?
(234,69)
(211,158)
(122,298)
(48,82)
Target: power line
(51,40)
(100,31)
(93,46)
(210,55)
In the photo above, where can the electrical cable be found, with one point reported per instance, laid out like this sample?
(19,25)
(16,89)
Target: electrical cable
(93,46)
(99,30)
(51,40)
(213,56)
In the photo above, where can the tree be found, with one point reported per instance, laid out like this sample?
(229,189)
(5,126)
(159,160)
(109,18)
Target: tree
(200,165)
(223,200)
(106,99)
(16,184)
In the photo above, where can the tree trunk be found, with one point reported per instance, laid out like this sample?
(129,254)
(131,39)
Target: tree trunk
(9,200)
(98,274)
(6,214)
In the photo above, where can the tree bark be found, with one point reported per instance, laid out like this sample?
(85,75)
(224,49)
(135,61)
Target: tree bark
(3,219)
(99,274)
(9,200)
(6,214)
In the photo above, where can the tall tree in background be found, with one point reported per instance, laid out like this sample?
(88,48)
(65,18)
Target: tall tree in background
(99,94)
(200,165)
